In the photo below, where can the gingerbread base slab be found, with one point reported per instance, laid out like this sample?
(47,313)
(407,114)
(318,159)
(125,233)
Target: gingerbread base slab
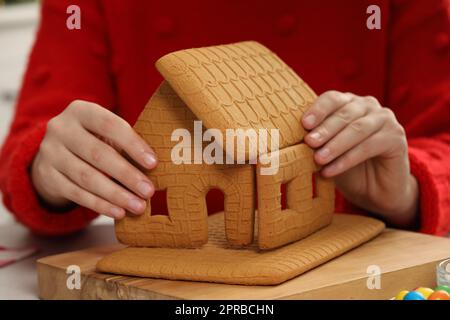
(218,262)
(395,252)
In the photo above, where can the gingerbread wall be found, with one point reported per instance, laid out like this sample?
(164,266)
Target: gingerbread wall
(186,185)
(305,213)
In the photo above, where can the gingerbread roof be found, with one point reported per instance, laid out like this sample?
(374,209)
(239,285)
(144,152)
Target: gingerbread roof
(242,85)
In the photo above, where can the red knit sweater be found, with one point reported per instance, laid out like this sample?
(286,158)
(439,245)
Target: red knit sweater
(406,65)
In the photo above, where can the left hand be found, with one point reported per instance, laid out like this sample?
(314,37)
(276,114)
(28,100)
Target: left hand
(362,145)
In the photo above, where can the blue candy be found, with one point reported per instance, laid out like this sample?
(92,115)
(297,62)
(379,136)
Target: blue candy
(413,295)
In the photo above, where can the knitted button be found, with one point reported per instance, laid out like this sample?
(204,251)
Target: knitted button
(165,26)
(348,68)
(286,24)
(441,41)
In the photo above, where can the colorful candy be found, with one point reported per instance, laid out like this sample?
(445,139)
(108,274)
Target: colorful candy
(414,295)
(426,292)
(443,288)
(401,295)
(439,295)
(423,293)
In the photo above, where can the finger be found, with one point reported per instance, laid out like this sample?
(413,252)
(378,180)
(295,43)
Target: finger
(103,157)
(371,147)
(105,123)
(76,194)
(323,106)
(93,181)
(335,123)
(353,134)
(108,142)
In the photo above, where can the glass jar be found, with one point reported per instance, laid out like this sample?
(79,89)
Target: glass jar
(443,273)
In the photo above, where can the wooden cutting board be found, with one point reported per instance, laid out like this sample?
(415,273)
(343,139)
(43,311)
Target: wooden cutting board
(406,260)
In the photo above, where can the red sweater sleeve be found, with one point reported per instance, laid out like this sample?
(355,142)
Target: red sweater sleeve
(64,65)
(419,91)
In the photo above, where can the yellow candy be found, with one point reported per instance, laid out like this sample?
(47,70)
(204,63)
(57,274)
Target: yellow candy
(401,295)
(426,292)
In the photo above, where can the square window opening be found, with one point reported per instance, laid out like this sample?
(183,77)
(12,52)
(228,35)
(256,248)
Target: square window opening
(158,203)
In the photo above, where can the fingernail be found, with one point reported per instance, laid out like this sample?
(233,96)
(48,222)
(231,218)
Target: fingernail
(135,205)
(116,212)
(149,159)
(328,170)
(309,120)
(331,169)
(145,188)
(323,153)
(315,136)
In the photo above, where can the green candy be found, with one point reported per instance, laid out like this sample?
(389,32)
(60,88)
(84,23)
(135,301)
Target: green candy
(443,288)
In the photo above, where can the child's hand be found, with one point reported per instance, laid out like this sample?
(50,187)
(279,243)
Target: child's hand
(362,145)
(74,164)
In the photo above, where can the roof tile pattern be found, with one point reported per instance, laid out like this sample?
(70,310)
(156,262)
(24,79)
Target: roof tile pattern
(241,85)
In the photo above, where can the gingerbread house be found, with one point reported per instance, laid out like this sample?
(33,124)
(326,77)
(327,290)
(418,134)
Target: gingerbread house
(242,85)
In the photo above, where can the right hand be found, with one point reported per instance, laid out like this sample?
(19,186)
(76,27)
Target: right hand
(79,161)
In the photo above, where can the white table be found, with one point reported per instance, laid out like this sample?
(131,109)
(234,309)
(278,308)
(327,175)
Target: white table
(17,28)
(18,280)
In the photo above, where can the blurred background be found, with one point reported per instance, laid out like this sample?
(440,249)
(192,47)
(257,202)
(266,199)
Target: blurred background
(18,22)
(18,25)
